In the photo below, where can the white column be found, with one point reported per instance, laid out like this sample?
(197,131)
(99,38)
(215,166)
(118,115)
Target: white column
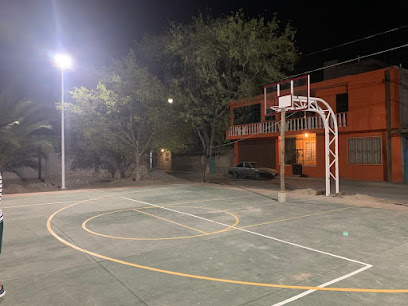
(62,132)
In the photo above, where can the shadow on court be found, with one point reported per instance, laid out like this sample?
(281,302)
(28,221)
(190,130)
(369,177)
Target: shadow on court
(199,244)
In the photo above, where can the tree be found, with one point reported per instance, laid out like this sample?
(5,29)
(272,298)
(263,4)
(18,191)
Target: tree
(215,61)
(22,138)
(124,116)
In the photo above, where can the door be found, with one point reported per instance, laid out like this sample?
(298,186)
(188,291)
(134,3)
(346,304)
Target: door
(291,153)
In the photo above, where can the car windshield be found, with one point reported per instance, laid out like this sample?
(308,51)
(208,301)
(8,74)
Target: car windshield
(255,165)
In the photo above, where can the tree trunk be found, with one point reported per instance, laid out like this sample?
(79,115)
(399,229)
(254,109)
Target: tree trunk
(208,153)
(136,173)
(96,170)
(206,169)
(97,162)
(122,171)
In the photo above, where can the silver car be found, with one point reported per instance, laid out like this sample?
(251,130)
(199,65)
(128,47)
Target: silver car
(251,169)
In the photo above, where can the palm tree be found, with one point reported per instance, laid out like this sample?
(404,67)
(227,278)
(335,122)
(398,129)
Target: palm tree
(22,126)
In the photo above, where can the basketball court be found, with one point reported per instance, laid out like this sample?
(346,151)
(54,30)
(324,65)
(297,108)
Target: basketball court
(196,244)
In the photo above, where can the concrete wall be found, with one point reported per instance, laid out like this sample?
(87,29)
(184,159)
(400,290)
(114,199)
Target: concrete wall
(51,170)
(195,163)
(404,98)
(50,166)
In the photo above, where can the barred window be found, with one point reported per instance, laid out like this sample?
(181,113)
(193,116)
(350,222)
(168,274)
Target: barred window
(364,151)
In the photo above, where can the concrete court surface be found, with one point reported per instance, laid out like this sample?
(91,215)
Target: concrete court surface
(393,192)
(196,244)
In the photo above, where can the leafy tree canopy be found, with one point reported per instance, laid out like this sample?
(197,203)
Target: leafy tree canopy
(124,116)
(213,61)
(22,133)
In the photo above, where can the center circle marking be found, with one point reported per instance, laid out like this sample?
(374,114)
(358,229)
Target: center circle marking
(85,226)
(194,276)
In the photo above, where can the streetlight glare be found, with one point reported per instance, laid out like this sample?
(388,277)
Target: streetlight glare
(170,100)
(63,61)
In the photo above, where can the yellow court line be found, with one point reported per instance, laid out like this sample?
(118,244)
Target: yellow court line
(51,231)
(200,201)
(294,218)
(193,202)
(179,224)
(84,226)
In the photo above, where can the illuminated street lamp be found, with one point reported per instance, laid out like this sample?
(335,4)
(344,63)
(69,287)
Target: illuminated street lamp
(63,61)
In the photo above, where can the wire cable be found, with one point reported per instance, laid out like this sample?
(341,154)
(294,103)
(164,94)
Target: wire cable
(348,61)
(354,41)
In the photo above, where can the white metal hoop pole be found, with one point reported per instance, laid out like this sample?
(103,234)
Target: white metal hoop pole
(328,115)
(331,136)
(327,155)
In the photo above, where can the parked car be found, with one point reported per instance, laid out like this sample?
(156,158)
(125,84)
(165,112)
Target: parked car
(251,169)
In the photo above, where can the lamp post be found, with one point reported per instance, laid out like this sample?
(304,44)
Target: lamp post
(63,61)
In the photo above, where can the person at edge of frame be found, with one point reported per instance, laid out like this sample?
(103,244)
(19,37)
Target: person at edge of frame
(2,291)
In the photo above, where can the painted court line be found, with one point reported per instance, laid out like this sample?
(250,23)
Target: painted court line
(251,232)
(297,217)
(294,298)
(170,221)
(70,201)
(41,204)
(84,226)
(208,278)
(210,200)
(366,266)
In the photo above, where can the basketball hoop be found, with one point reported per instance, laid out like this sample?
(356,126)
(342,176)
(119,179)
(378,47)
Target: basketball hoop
(294,95)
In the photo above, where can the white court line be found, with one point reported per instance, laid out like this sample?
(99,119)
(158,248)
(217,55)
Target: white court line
(293,298)
(366,266)
(134,191)
(70,201)
(18,206)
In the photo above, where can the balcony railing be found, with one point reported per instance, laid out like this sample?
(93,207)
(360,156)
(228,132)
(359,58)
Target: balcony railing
(295,124)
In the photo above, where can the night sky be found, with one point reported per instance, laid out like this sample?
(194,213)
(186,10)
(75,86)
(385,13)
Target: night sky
(95,31)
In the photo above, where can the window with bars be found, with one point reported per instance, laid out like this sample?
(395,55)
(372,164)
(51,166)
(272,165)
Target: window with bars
(364,151)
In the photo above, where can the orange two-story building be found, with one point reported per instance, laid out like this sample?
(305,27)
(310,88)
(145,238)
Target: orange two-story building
(372,115)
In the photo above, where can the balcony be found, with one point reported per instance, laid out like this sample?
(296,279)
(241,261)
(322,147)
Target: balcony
(295,124)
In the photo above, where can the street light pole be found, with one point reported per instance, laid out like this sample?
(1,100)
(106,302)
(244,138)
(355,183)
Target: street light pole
(62,132)
(63,61)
